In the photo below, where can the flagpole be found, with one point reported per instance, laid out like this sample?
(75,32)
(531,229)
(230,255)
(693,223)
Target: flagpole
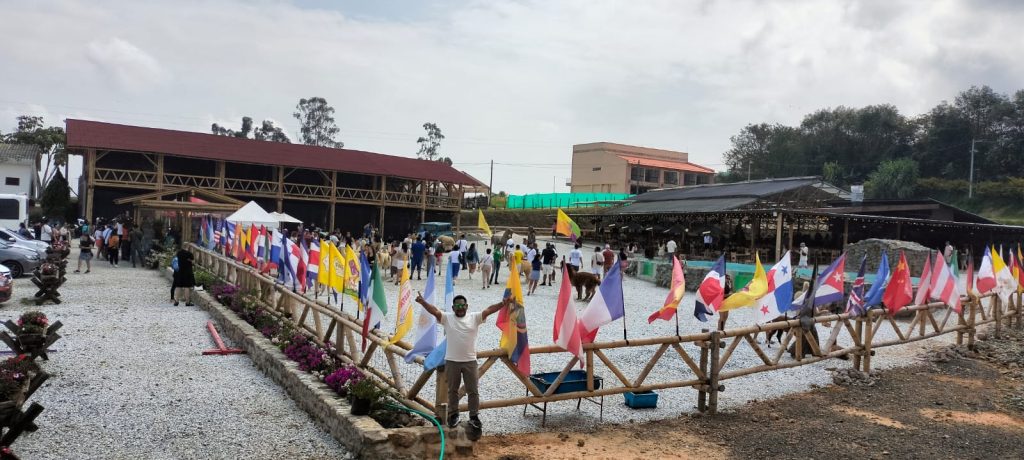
(624,337)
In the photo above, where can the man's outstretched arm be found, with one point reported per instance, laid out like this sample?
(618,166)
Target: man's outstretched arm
(428,307)
(494,308)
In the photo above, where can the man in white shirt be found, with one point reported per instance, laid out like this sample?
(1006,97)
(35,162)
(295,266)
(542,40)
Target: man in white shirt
(576,258)
(463,249)
(46,234)
(460,365)
(670,248)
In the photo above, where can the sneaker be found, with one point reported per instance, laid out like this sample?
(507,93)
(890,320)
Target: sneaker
(189,304)
(78,271)
(175,303)
(453,420)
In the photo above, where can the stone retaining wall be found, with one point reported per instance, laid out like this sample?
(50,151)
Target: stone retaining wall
(362,434)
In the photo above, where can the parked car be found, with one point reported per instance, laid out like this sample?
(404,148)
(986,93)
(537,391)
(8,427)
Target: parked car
(6,284)
(12,236)
(436,228)
(18,259)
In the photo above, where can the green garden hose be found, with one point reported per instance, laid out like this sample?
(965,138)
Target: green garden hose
(428,417)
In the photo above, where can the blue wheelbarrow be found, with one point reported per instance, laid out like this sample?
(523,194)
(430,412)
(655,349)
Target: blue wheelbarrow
(574,381)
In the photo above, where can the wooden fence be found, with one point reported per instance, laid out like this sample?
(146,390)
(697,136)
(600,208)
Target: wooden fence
(705,357)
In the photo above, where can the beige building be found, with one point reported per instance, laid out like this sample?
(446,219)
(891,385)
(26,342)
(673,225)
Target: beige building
(617,168)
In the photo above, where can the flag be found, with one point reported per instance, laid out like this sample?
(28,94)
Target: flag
(404,309)
(364,282)
(424,336)
(1020,270)
(276,249)
(378,307)
(711,291)
(250,245)
(482,223)
(261,244)
(211,234)
(314,263)
(925,282)
(855,303)
(337,270)
(566,333)
(218,232)
(352,277)
(323,274)
(970,276)
(512,323)
(899,292)
(779,297)
(830,287)
(203,226)
(606,306)
(675,295)
(986,276)
(874,295)
(943,286)
(754,290)
(296,269)
(1015,269)
(235,241)
(565,226)
(1005,282)
(436,357)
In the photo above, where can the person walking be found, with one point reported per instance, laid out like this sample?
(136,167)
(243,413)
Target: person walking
(498,256)
(46,232)
(534,276)
(597,263)
(463,250)
(529,254)
(576,258)
(472,259)
(547,260)
(670,249)
(460,366)
(486,267)
(184,278)
(399,261)
(608,257)
(453,262)
(85,245)
(419,249)
(113,248)
(623,262)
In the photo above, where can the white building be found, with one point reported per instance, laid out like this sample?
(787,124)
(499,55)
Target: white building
(18,169)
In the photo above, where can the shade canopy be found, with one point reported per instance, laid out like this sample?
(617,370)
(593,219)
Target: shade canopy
(285,218)
(253,214)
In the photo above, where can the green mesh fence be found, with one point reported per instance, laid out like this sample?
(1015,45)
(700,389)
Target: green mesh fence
(562,200)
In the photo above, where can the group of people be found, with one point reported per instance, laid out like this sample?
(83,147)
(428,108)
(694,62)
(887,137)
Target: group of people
(113,242)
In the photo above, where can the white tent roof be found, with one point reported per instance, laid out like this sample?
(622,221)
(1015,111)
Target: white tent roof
(283,217)
(253,214)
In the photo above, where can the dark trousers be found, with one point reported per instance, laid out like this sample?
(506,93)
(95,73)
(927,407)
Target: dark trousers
(458,372)
(497,268)
(112,255)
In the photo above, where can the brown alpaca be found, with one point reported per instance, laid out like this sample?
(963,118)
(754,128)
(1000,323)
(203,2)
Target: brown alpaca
(584,280)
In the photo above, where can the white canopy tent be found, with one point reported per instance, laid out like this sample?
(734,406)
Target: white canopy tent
(285,218)
(253,214)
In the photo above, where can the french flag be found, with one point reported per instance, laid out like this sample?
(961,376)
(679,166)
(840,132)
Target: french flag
(711,291)
(607,305)
(830,283)
(780,291)
(943,285)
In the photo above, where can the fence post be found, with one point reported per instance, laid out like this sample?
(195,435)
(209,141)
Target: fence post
(859,330)
(702,394)
(973,305)
(441,395)
(866,338)
(1020,297)
(713,375)
(997,313)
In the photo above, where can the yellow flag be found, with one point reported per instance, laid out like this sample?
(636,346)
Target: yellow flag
(352,274)
(337,278)
(323,275)
(482,223)
(756,289)
(404,307)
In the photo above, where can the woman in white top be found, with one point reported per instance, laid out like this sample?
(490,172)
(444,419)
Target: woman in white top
(803,256)
(597,263)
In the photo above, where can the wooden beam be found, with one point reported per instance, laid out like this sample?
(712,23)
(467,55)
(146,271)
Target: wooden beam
(423,198)
(846,232)
(383,194)
(159,171)
(280,188)
(221,167)
(334,199)
(778,236)
(90,182)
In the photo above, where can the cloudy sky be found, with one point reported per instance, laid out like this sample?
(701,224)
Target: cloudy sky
(514,82)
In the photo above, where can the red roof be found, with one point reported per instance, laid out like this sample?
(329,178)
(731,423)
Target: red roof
(109,136)
(666,164)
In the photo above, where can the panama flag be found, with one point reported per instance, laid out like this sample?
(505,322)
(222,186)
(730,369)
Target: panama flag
(779,297)
(943,286)
(424,336)
(986,276)
(567,328)
(512,323)
(378,307)
(1005,282)
(313,268)
(830,284)
(607,305)
(711,291)
(925,282)
(874,295)
(675,295)
(855,303)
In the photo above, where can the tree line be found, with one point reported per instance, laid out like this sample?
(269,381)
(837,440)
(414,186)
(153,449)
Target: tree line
(890,153)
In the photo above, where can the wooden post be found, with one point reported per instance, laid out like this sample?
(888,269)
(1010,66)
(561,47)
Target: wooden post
(590,370)
(997,312)
(778,236)
(899,226)
(866,339)
(859,330)
(441,395)
(458,213)
(334,199)
(383,193)
(791,228)
(221,167)
(970,321)
(90,182)
(423,201)
(713,373)
(159,171)
(702,395)
(280,189)
(846,232)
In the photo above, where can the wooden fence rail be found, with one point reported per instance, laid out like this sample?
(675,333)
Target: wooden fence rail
(705,357)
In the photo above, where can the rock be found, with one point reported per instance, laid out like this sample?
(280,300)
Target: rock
(579,443)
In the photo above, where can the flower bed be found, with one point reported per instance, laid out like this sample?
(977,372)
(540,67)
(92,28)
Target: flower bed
(320,361)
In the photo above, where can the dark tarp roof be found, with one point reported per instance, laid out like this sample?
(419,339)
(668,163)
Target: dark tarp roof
(679,206)
(752,189)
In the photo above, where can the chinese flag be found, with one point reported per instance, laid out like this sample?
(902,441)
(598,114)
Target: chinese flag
(899,292)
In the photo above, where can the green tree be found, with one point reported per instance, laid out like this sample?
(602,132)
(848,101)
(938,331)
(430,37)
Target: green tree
(56,199)
(893,179)
(50,140)
(266,132)
(317,126)
(430,143)
(832,173)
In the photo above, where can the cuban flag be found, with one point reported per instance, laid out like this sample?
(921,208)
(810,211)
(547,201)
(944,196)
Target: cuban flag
(855,303)
(711,291)
(830,284)
(425,333)
(607,305)
(780,291)
(874,295)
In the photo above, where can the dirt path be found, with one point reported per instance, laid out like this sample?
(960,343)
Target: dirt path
(947,406)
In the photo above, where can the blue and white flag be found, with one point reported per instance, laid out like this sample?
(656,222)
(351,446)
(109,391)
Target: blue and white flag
(779,298)
(425,333)
(874,295)
(607,305)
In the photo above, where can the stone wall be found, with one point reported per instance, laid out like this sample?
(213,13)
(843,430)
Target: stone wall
(362,434)
(873,247)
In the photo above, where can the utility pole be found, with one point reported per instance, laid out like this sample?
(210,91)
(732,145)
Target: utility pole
(490,185)
(748,169)
(970,180)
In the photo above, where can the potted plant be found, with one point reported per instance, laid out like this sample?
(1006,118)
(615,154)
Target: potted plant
(343,378)
(15,376)
(32,329)
(363,394)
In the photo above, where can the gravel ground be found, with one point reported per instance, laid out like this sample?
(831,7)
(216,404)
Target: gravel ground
(642,298)
(129,381)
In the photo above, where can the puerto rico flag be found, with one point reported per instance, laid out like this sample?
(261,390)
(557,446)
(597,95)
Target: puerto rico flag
(779,298)
(711,291)
(830,284)
(855,303)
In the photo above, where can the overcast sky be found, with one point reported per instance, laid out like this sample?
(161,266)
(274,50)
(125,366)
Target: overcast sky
(516,82)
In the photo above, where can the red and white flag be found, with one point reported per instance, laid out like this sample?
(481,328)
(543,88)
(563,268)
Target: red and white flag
(986,276)
(943,285)
(567,328)
(925,282)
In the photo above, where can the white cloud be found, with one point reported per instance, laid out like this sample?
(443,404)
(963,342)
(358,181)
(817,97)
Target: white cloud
(517,82)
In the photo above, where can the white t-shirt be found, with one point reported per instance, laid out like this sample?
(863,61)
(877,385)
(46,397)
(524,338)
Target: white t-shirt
(463,245)
(461,335)
(510,244)
(670,246)
(530,255)
(598,260)
(487,261)
(454,256)
(576,257)
(46,234)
